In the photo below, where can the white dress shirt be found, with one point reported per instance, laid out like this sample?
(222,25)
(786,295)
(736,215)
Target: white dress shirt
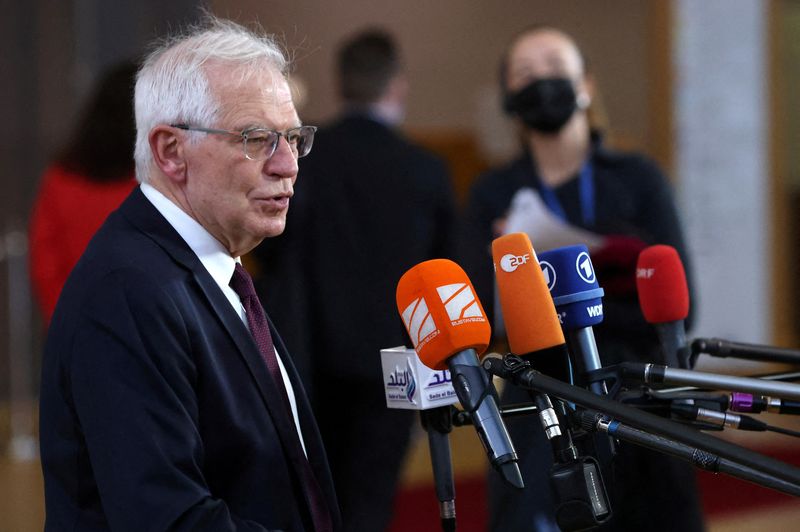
(220,266)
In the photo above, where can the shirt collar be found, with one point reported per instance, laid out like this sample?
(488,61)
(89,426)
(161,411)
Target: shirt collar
(208,249)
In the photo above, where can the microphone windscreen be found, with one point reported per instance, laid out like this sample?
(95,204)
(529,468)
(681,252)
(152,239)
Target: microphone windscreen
(528,311)
(441,312)
(569,274)
(661,283)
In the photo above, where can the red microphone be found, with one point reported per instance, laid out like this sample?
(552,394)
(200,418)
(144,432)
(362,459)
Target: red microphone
(664,299)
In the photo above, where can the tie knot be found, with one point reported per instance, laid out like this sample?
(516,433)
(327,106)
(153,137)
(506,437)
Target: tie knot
(242,283)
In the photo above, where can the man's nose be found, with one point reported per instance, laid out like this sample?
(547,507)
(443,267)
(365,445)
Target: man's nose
(283,162)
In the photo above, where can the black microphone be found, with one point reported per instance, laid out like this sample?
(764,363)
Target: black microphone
(747,402)
(438,422)
(659,374)
(402,370)
(593,421)
(519,372)
(717,419)
(718,347)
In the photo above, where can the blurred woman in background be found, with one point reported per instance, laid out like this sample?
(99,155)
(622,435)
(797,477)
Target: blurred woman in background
(87,180)
(568,188)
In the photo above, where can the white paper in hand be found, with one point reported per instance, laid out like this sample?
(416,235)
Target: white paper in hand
(529,214)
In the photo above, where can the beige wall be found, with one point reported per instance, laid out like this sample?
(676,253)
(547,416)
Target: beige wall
(452,48)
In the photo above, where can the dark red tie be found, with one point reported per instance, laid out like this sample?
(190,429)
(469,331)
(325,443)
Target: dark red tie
(242,284)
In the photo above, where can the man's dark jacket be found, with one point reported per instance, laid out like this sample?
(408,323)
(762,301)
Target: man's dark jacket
(157,410)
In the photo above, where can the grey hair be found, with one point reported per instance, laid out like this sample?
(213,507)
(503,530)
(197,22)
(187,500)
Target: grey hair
(172,85)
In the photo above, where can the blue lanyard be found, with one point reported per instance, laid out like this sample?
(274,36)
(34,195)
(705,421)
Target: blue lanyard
(585,192)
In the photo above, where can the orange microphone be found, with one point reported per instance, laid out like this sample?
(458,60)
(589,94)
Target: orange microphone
(449,328)
(438,292)
(532,324)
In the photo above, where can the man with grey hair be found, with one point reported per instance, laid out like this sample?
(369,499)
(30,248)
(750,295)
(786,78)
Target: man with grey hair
(168,400)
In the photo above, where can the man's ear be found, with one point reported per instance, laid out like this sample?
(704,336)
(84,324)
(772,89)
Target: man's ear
(397,88)
(167,146)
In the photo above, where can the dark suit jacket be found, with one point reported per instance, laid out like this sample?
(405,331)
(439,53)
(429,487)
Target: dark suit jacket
(157,410)
(368,206)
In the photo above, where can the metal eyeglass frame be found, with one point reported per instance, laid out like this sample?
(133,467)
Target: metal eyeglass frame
(244,135)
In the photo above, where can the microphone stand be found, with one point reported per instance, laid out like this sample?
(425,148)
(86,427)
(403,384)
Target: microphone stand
(520,373)
(462,418)
(592,421)
(438,422)
(718,347)
(596,422)
(657,374)
(791,376)
(577,480)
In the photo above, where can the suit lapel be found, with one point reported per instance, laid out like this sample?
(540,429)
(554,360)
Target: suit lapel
(308,425)
(142,214)
(315,450)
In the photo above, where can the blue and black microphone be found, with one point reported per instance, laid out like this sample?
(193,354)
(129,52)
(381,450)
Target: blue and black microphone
(577,296)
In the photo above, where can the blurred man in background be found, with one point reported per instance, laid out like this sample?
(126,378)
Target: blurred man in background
(370,204)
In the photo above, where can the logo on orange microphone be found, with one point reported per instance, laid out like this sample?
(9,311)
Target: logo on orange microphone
(460,303)
(419,323)
(510,262)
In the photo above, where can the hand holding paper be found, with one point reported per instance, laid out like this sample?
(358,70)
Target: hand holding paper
(529,214)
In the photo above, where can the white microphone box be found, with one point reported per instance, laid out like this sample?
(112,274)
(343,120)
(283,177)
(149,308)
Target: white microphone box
(411,385)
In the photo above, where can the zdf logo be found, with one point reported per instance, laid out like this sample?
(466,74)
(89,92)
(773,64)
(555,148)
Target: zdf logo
(510,262)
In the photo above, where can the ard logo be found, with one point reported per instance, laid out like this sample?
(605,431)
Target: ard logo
(584,266)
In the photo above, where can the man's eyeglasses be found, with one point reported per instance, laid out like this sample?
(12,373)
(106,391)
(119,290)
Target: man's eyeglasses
(260,143)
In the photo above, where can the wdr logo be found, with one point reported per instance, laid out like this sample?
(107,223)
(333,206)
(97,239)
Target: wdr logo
(595,311)
(419,322)
(460,303)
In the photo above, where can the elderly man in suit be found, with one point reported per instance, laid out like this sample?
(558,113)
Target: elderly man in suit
(168,400)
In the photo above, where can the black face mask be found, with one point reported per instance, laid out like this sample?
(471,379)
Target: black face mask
(544,105)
